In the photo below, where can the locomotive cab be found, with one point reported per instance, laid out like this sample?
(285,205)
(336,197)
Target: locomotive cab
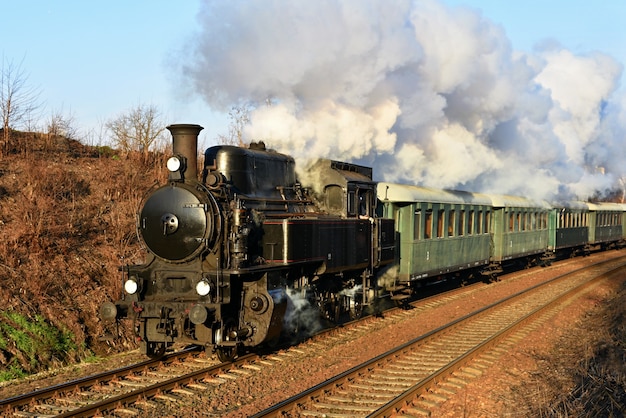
(344,189)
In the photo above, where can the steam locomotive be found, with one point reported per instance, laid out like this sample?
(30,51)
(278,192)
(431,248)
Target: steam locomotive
(228,253)
(228,256)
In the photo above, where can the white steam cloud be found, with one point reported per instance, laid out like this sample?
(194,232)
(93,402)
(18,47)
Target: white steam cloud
(422,92)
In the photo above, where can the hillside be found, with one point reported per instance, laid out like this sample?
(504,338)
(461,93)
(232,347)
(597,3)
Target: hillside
(67,222)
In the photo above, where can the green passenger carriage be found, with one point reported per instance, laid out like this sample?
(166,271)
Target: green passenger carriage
(520,230)
(606,223)
(438,232)
(569,228)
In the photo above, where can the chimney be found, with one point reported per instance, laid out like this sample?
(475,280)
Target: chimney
(185,143)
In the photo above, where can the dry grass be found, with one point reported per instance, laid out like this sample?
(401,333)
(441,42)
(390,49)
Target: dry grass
(585,375)
(67,222)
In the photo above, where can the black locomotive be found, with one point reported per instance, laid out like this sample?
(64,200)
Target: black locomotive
(226,253)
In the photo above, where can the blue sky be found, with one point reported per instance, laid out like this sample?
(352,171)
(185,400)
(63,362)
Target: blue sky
(96,59)
(579,25)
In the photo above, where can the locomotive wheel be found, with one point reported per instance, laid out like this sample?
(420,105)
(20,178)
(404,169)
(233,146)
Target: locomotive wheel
(226,354)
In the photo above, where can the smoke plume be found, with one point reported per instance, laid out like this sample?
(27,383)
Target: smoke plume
(422,92)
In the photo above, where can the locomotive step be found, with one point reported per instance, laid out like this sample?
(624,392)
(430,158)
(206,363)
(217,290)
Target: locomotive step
(398,288)
(400,297)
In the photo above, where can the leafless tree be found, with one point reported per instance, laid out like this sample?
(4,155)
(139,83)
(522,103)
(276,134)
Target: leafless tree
(239,118)
(18,100)
(137,130)
(60,124)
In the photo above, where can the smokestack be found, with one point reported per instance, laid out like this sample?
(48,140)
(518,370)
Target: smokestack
(185,143)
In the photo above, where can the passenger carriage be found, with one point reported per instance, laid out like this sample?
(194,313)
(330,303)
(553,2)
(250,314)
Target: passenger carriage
(438,232)
(569,228)
(519,230)
(606,224)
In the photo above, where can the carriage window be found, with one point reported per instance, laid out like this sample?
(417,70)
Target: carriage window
(487,222)
(428,224)
(511,221)
(480,226)
(416,226)
(470,223)
(462,222)
(440,216)
(451,221)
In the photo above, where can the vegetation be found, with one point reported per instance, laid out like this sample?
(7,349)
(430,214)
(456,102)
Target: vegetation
(137,129)
(67,221)
(67,213)
(585,374)
(36,342)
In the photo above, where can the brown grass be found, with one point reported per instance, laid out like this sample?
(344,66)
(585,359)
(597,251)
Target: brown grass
(67,222)
(585,375)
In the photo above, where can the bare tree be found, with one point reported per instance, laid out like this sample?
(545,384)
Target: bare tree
(137,130)
(18,100)
(239,118)
(60,124)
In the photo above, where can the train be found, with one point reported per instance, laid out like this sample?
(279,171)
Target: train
(233,249)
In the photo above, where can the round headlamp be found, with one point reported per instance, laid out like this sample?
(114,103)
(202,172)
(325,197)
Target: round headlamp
(198,314)
(203,288)
(174,164)
(108,311)
(131,286)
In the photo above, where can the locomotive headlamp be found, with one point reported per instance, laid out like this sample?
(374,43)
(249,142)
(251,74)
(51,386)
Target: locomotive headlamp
(174,164)
(198,314)
(203,287)
(131,286)
(108,311)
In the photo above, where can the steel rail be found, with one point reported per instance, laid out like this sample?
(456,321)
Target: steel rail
(77,384)
(154,389)
(423,386)
(294,403)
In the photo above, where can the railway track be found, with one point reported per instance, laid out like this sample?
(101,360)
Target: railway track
(117,389)
(411,378)
(89,395)
(138,389)
(129,390)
